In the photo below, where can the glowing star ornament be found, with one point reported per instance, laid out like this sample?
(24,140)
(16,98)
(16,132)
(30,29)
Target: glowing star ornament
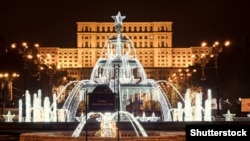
(228,116)
(118,18)
(9,117)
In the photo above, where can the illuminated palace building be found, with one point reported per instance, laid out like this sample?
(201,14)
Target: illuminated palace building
(152,40)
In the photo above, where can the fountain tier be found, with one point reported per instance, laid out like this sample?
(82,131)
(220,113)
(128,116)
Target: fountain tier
(119,69)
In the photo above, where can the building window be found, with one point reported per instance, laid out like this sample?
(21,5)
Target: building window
(162,28)
(151,28)
(135,29)
(124,29)
(86,28)
(162,44)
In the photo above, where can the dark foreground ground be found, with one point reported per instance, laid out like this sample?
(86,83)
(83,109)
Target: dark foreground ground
(11,131)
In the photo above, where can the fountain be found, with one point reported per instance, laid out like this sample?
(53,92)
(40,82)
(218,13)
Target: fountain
(120,71)
(34,112)
(145,118)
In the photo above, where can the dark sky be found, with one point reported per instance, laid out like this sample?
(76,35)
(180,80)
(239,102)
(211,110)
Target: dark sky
(53,22)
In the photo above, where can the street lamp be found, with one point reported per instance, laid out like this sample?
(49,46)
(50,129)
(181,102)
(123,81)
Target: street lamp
(216,49)
(202,57)
(180,79)
(28,55)
(35,63)
(181,76)
(6,87)
(205,54)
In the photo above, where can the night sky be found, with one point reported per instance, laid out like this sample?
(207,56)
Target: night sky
(53,23)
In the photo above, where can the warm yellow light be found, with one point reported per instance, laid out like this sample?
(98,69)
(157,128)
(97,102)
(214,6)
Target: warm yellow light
(227,43)
(64,78)
(15,75)
(5,75)
(29,56)
(13,45)
(24,44)
(48,55)
(36,45)
(216,43)
(203,44)
(41,68)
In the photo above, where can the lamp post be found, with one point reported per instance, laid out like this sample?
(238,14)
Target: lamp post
(28,55)
(6,87)
(180,78)
(216,49)
(35,63)
(202,57)
(117,91)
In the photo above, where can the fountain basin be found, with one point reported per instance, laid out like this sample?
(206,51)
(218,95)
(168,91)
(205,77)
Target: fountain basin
(126,136)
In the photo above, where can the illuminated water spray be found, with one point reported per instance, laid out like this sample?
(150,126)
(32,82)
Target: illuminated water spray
(120,70)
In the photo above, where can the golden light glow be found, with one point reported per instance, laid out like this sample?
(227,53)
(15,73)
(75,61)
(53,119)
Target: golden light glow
(227,43)
(36,45)
(24,44)
(13,45)
(58,67)
(41,68)
(216,43)
(6,75)
(203,44)
(48,56)
(64,78)
(29,56)
(15,75)
(203,55)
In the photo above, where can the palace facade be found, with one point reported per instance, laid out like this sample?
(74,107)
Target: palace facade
(152,41)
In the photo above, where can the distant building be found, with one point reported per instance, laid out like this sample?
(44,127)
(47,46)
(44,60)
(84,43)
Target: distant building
(152,40)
